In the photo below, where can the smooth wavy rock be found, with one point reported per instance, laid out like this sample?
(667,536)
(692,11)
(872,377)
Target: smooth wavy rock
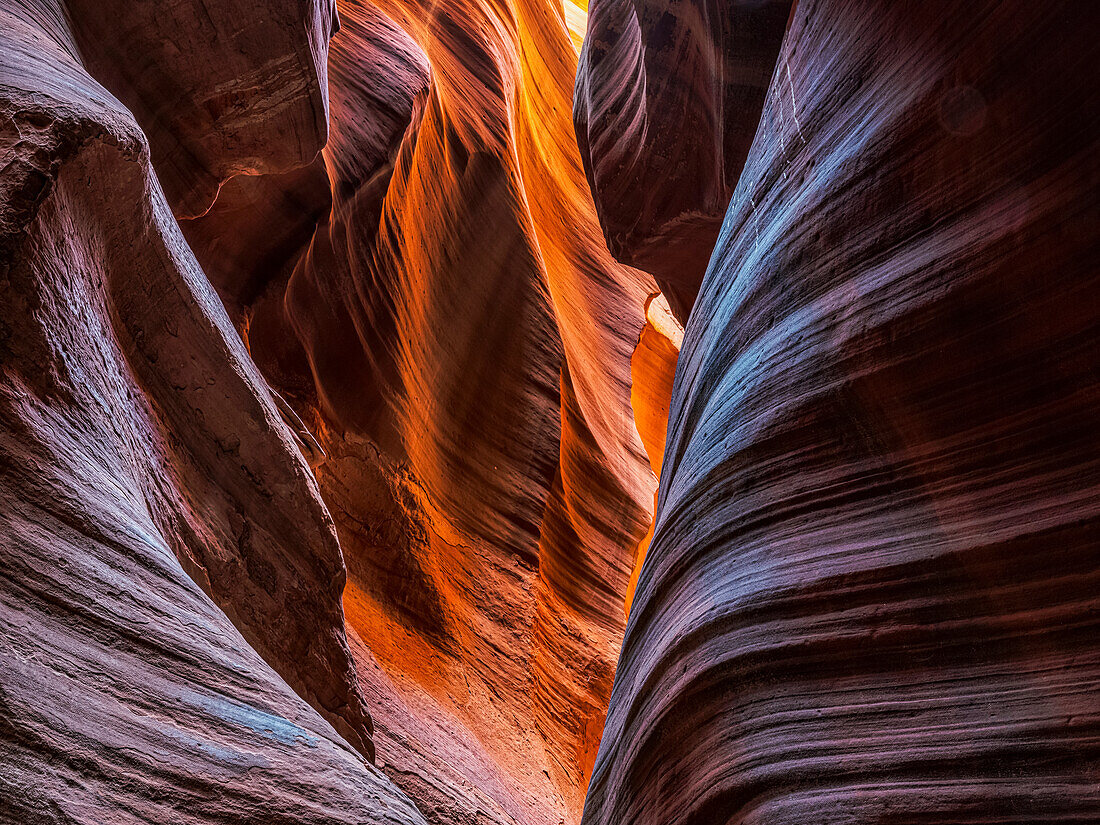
(668,95)
(652,368)
(872,593)
(466,343)
(137,442)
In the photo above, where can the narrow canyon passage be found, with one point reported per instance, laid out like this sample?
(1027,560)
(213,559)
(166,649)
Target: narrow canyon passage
(549,412)
(451,331)
(445,338)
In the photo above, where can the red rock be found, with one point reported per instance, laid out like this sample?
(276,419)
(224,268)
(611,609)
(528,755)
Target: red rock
(137,441)
(470,339)
(667,101)
(871,595)
(219,89)
(652,368)
(258,224)
(466,369)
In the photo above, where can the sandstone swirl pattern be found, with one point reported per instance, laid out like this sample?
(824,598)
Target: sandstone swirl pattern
(668,95)
(138,441)
(460,345)
(872,593)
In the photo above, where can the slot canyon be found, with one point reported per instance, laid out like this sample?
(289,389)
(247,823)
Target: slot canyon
(549,412)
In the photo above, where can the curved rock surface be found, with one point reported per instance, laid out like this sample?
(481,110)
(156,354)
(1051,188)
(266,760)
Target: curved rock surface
(872,593)
(668,96)
(137,442)
(470,339)
(219,88)
(652,368)
(465,369)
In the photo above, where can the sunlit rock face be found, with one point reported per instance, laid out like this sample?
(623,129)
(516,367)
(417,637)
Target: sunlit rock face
(652,368)
(459,343)
(145,474)
(872,592)
(668,96)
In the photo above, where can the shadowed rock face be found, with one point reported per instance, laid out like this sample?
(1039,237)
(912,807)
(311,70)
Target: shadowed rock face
(137,442)
(218,88)
(668,96)
(872,591)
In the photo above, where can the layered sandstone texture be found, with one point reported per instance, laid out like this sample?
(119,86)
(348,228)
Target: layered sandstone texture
(145,471)
(668,96)
(289,433)
(447,354)
(872,591)
(460,353)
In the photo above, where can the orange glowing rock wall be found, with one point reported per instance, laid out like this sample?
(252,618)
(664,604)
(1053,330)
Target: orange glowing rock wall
(462,347)
(652,369)
(495,336)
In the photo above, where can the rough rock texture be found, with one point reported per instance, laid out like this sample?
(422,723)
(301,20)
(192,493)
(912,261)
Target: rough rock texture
(668,95)
(872,594)
(219,88)
(137,442)
(465,369)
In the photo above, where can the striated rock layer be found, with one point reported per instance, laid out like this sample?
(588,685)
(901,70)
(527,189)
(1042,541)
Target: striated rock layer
(137,442)
(668,95)
(872,592)
(459,345)
(470,342)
